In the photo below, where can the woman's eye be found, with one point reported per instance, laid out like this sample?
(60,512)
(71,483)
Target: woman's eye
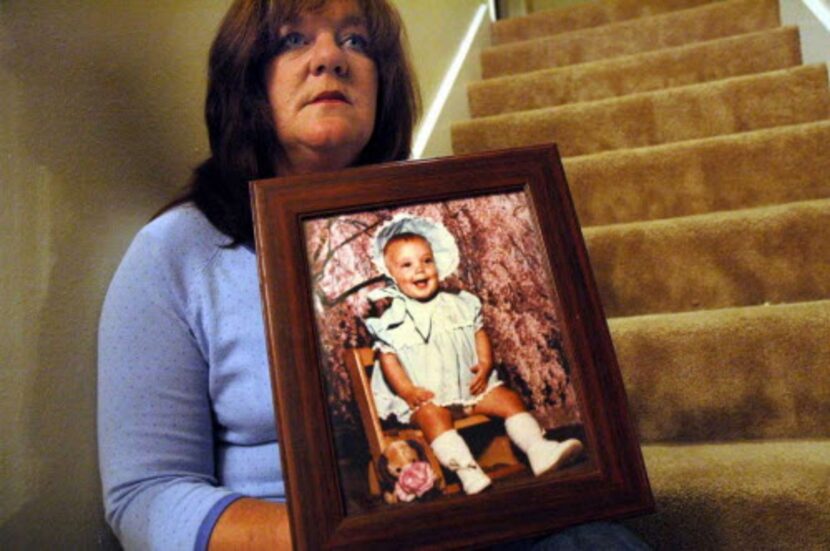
(356,42)
(292,41)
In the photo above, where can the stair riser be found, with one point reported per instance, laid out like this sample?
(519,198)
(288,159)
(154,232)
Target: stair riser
(683,384)
(698,111)
(580,16)
(708,61)
(755,495)
(632,37)
(708,361)
(775,254)
(733,172)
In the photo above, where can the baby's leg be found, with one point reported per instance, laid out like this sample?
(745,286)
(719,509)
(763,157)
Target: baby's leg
(501,402)
(450,449)
(433,420)
(525,432)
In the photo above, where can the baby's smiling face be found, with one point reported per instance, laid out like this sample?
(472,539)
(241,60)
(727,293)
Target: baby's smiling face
(412,266)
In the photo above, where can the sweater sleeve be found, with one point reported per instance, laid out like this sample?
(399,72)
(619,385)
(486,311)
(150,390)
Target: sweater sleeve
(155,430)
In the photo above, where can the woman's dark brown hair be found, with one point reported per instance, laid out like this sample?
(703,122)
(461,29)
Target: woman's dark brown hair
(243,140)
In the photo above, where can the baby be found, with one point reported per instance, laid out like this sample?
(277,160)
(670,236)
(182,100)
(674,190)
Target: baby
(435,353)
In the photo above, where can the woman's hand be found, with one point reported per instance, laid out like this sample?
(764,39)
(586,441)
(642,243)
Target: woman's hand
(417,396)
(252,525)
(482,374)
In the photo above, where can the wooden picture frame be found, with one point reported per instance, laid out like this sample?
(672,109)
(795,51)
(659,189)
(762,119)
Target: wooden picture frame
(484,197)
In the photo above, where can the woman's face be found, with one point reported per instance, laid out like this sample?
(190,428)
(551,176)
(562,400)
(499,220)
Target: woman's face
(322,87)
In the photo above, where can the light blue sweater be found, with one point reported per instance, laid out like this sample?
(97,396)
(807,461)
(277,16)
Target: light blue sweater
(185,412)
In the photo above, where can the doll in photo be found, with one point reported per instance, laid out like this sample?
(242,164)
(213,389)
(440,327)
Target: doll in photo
(435,354)
(405,473)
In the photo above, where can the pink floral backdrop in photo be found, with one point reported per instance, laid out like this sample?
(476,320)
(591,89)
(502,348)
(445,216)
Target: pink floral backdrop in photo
(502,262)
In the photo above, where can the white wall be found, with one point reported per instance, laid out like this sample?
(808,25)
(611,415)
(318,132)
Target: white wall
(100,124)
(815,35)
(436,42)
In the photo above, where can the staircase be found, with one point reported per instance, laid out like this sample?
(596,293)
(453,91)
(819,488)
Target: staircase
(697,148)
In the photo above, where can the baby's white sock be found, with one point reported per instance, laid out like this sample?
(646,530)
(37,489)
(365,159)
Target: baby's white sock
(452,452)
(543,455)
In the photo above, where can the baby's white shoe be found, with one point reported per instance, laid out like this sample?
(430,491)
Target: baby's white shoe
(543,455)
(546,455)
(452,452)
(473,479)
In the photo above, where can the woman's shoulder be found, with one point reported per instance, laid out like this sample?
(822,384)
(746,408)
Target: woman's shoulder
(175,247)
(181,236)
(183,228)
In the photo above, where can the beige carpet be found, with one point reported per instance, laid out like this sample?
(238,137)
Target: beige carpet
(732,171)
(687,64)
(707,22)
(727,374)
(696,146)
(545,22)
(774,254)
(741,496)
(737,104)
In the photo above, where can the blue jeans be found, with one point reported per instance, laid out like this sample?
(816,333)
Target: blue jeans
(584,537)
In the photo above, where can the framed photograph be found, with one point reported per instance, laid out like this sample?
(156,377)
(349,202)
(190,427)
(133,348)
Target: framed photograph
(442,369)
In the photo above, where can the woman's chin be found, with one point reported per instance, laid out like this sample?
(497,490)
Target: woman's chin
(331,150)
(336,133)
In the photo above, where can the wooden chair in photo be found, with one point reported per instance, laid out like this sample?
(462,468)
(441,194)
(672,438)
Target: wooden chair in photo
(495,455)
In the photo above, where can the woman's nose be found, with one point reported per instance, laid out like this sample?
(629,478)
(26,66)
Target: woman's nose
(328,57)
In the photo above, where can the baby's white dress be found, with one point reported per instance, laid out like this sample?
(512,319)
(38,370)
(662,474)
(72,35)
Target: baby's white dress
(435,344)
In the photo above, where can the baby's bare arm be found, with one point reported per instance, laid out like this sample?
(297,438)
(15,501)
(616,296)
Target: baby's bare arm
(484,351)
(400,382)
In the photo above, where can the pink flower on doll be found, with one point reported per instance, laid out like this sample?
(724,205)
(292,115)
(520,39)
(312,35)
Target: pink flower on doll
(414,481)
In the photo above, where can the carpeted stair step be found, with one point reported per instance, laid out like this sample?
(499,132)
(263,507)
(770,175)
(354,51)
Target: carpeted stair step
(696,154)
(738,104)
(688,64)
(580,16)
(746,257)
(750,495)
(736,171)
(730,374)
(708,22)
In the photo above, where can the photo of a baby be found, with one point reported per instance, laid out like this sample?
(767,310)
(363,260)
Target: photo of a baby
(435,353)
(439,330)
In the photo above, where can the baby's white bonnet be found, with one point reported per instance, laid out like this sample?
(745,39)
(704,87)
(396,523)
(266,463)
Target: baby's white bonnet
(444,247)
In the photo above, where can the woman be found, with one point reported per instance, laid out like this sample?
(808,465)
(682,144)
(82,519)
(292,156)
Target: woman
(186,420)
(185,417)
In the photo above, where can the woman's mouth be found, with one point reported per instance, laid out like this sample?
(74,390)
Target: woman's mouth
(330,97)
